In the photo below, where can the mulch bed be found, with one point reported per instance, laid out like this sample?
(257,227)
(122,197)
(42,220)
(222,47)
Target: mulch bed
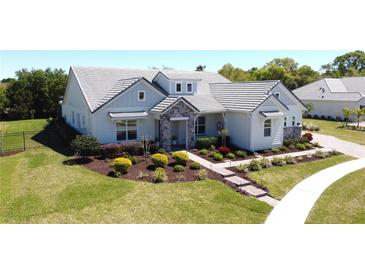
(103,166)
(250,155)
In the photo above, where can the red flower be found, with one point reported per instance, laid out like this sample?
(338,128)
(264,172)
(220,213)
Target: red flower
(308,136)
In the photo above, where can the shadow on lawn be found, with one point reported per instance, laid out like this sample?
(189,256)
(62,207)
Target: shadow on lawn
(49,137)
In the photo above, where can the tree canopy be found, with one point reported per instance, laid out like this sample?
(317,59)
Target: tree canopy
(37,91)
(349,64)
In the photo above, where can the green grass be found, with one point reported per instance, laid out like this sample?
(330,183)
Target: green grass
(332,128)
(342,203)
(36,187)
(12,141)
(23,125)
(279,180)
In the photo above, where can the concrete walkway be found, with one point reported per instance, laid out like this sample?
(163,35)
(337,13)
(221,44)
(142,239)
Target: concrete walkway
(297,204)
(345,147)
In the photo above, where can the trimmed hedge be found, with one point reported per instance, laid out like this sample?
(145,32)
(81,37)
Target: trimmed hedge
(85,145)
(115,150)
(159,160)
(206,142)
(181,157)
(121,164)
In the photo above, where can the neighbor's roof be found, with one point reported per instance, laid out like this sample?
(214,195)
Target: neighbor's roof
(244,96)
(331,89)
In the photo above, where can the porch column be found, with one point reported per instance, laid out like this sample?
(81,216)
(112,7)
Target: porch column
(165,132)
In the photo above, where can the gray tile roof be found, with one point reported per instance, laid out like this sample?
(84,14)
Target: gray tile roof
(330,89)
(243,96)
(164,104)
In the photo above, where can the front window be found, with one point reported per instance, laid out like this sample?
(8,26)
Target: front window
(126,130)
(141,96)
(293,121)
(200,125)
(267,128)
(285,121)
(189,87)
(178,87)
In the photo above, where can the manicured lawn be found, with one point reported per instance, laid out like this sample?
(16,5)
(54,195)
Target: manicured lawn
(13,138)
(342,203)
(36,187)
(332,128)
(279,180)
(23,125)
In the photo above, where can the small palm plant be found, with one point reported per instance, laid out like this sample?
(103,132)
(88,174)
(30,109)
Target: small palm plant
(358,112)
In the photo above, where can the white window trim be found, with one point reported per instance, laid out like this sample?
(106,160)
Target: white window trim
(187,90)
(268,127)
(180,87)
(144,95)
(197,126)
(293,121)
(126,131)
(285,121)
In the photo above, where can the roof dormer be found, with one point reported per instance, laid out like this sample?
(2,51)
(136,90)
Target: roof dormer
(177,85)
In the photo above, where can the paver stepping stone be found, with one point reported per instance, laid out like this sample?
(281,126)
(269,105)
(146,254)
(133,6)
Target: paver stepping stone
(269,200)
(253,191)
(224,172)
(238,181)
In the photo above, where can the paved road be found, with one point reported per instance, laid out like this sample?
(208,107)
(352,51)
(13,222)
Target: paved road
(349,148)
(297,204)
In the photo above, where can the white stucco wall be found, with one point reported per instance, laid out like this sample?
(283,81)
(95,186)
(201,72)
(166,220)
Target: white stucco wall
(239,127)
(74,102)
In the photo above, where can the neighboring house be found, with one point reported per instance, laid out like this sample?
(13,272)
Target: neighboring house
(330,96)
(176,108)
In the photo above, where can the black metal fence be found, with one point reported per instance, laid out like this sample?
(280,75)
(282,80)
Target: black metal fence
(23,140)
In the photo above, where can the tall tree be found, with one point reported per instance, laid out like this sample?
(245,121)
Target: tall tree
(348,64)
(200,68)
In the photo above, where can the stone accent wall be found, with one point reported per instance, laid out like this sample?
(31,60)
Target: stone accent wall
(292,132)
(179,110)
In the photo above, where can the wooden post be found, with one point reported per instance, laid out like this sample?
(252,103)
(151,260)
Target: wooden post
(23,140)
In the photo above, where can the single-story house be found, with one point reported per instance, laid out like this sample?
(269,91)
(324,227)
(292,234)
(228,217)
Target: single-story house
(177,107)
(330,96)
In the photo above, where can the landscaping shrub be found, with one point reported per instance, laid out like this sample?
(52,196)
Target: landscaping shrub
(224,150)
(159,175)
(265,163)
(308,145)
(121,164)
(289,160)
(308,136)
(283,148)
(217,156)
(110,150)
(202,175)
(230,155)
(275,150)
(134,159)
(310,127)
(179,168)
(206,142)
(315,144)
(334,152)
(159,160)
(195,165)
(181,157)
(300,146)
(294,141)
(162,151)
(254,165)
(242,168)
(85,145)
(241,153)
(227,141)
(134,148)
(203,151)
(212,148)
(320,154)
(277,161)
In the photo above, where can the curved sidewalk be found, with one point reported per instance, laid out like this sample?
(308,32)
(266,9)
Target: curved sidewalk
(296,205)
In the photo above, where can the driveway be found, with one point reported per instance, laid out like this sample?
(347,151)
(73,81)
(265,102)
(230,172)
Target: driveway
(349,148)
(297,204)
